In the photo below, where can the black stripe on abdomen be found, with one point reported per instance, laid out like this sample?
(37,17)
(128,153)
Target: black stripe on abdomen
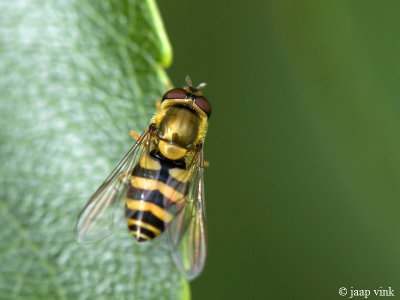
(140,233)
(153,196)
(146,217)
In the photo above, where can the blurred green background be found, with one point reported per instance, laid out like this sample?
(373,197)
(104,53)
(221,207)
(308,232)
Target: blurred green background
(303,189)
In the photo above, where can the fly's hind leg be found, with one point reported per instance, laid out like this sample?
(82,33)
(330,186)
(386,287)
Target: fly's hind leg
(123,176)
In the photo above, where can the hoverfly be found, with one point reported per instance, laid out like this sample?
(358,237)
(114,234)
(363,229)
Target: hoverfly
(160,183)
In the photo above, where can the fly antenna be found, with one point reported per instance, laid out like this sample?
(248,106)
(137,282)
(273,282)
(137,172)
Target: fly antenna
(201,85)
(188,81)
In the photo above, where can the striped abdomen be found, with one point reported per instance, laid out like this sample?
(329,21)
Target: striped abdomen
(157,186)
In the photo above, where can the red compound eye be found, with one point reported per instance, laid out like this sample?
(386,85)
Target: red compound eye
(203,104)
(175,94)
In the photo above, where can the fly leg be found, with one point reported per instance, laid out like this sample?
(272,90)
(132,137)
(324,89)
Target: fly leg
(123,176)
(134,135)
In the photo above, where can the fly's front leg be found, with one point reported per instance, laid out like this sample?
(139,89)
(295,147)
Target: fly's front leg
(134,135)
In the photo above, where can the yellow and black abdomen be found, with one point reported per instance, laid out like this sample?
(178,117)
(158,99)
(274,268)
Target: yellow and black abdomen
(157,187)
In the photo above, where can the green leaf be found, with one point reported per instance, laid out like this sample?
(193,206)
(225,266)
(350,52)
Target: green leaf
(76,77)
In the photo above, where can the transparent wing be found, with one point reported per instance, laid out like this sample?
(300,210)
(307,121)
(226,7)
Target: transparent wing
(103,212)
(187,232)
